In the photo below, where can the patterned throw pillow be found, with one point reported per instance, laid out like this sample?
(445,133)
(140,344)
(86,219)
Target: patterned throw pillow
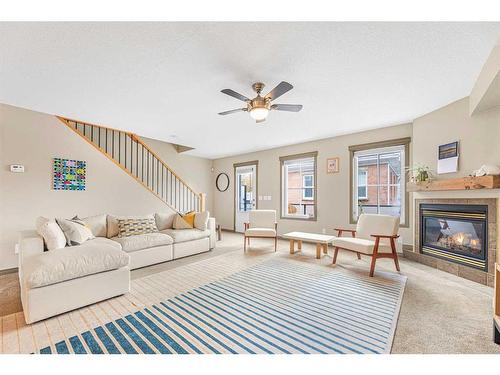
(134,227)
(184,221)
(75,230)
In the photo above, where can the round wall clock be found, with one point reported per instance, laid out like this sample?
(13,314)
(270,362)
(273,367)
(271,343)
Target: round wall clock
(222,182)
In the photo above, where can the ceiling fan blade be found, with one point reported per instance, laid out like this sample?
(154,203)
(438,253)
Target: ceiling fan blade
(259,121)
(279,90)
(287,107)
(236,95)
(232,111)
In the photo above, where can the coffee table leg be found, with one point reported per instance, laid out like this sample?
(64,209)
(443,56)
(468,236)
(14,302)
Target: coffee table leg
(292,247)
(325,248)
(318,250)
(299,245)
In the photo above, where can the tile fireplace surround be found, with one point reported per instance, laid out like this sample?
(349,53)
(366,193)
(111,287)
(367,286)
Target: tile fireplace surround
(449,266)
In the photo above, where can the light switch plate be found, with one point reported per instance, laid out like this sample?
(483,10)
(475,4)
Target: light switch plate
(17,168)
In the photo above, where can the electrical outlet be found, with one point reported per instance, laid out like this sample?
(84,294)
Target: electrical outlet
(16,248)
(323,230)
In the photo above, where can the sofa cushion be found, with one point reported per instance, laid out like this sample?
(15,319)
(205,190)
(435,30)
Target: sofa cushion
(164,220)
(143,241)
(201,220)
(360,245)
(184,235)
(260,232)
(93,256)
(51,233)
(113,223)
(97,224)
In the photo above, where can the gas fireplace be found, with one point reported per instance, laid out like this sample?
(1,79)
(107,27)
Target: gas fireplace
(455,232)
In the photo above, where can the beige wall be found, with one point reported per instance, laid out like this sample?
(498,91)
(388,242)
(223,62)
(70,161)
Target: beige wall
(333,189)
(479,137)
(33,139)
(194,170)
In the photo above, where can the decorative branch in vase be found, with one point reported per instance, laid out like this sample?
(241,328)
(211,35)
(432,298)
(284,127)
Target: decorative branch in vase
(419,173)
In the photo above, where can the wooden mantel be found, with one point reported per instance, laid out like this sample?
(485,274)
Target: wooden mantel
(463,183)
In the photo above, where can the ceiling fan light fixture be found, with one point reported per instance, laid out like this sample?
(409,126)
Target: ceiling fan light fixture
(259,113)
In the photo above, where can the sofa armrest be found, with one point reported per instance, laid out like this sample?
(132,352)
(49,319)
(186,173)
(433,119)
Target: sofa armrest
(213,235)
(30,243)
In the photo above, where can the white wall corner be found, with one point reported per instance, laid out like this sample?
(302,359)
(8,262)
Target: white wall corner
(486,91)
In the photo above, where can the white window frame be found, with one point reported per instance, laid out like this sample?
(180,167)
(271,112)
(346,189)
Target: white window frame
(402,185)
(304,187)
(365,172)
(285,162)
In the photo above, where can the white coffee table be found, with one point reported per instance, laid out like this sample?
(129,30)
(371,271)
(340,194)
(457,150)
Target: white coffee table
(321,241)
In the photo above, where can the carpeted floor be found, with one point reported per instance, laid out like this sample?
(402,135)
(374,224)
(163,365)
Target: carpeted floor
(440,313)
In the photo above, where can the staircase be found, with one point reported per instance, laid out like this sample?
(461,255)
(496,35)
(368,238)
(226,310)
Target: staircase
(132,155)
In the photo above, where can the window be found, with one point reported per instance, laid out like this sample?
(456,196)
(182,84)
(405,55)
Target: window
(378,179)
(362,184)
(298,189)
(308,186)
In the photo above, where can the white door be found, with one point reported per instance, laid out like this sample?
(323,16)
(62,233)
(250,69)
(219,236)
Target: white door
(246,194)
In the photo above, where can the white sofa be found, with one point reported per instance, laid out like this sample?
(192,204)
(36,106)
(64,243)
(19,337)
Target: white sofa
(60,280)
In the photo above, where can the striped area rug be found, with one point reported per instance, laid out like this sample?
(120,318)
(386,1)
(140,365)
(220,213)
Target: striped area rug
(276,306)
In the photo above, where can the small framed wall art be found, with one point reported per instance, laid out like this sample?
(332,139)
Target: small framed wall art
(448,158)
(69,174)
(332,165)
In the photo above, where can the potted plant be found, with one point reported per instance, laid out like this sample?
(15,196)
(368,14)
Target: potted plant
(419,173)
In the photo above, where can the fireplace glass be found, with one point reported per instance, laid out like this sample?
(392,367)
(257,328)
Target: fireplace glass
(456,233)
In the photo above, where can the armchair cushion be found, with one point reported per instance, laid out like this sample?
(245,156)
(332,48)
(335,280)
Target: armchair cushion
(360,245)
(262,219)
(260,232)
(369,224)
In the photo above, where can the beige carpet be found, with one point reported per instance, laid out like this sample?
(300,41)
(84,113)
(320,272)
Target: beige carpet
(441,313)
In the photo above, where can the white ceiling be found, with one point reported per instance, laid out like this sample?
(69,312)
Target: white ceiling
(163,80)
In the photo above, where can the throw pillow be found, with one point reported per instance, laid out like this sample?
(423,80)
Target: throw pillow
(201,220)
(165,220)
(97,224)
(134,227)
(184,221)
(52,234)
(75,230)
(112,222)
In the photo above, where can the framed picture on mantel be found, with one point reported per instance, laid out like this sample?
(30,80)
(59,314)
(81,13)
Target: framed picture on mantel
(332,165)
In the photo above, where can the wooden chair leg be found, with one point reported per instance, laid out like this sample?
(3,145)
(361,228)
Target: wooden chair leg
(374,257)
(244,244)
(335,252)
(248,239)
(359,255)
(395,254)
(275,243)
(372,265)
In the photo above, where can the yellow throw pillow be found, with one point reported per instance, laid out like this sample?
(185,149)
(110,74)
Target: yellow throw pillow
(184,221)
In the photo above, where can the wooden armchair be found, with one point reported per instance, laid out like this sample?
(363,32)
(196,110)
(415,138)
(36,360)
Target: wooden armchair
(262,224)
(375,236)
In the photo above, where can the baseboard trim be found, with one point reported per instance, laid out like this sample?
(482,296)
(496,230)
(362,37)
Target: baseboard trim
(8,271)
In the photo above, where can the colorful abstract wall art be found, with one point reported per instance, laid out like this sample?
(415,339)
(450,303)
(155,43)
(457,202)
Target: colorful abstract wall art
(69,174)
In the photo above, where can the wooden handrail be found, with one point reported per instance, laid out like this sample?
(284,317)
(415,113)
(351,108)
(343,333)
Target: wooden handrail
(200,197)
